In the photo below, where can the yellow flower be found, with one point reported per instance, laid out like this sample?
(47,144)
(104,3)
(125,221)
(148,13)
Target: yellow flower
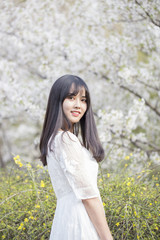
(131,154)
(156,228)
(117,224)
(100,180)
(138,176)
(157,184)
(39,166)
(133,194)
(3,236)
(28,165)
(26,220)
(18,177)
(16,157)
(138,237)
(129,183)
(135,213)
(24,228)
(37,206)
(31,217)
(21,226)
(104,204)
(108,175)
(127,157)
(150,204)
(44,224)
(20,164)
(126,165)
(46,196)
(42,184)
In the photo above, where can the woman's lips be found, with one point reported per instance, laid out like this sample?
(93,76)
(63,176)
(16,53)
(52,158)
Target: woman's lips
(76,114)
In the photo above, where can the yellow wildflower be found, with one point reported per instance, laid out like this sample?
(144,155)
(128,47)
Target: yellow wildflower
(131,154)
(26,220)
(24,228)
(108,175)
(20,164)
(21,226)
(104,204)
(100,180)
(39,166)
(31,217)
(46,196)
(157,184)
(150,204)
(3,236)
(28,165)
(127,157)
(117,224)
(42,184)
(37,206)
(126,165)
(16,157)
(129,183)
(133,194)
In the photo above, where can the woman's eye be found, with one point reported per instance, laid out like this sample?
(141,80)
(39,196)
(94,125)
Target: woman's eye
(84,100)
(70,97)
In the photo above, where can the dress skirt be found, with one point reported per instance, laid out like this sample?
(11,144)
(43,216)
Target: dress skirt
(71,220)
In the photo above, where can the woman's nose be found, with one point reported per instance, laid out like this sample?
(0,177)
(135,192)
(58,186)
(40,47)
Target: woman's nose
(77,103)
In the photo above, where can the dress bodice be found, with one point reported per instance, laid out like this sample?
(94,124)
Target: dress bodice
(71,167)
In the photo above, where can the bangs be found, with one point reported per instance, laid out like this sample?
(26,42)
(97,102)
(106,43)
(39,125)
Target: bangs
(78,88)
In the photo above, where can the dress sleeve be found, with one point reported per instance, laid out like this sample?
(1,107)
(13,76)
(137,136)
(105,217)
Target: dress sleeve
(72,159)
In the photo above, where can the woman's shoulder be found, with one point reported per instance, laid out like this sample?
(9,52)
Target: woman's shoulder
(67,136)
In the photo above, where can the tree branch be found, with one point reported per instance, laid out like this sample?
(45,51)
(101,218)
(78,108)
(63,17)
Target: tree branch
(139,96)
(148,85)
(156,23)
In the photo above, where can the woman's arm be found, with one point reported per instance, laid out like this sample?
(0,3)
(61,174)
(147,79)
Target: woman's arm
(96,213)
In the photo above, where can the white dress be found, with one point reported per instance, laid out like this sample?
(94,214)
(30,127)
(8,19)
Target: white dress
(73,172)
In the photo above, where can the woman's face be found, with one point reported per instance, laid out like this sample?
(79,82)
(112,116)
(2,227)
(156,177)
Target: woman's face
(74,107)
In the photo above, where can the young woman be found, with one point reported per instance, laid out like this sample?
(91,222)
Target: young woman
(72,164)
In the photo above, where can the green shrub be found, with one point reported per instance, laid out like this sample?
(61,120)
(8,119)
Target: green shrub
(27,203)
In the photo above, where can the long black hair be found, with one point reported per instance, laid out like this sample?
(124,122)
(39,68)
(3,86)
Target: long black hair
(55,117)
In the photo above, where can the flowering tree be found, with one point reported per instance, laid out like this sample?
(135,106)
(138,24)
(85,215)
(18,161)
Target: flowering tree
(113,45)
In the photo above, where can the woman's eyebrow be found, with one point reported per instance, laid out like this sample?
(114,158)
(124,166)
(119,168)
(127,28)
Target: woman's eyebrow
(71,94)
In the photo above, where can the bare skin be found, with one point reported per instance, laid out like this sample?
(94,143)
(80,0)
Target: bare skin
(96,213)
